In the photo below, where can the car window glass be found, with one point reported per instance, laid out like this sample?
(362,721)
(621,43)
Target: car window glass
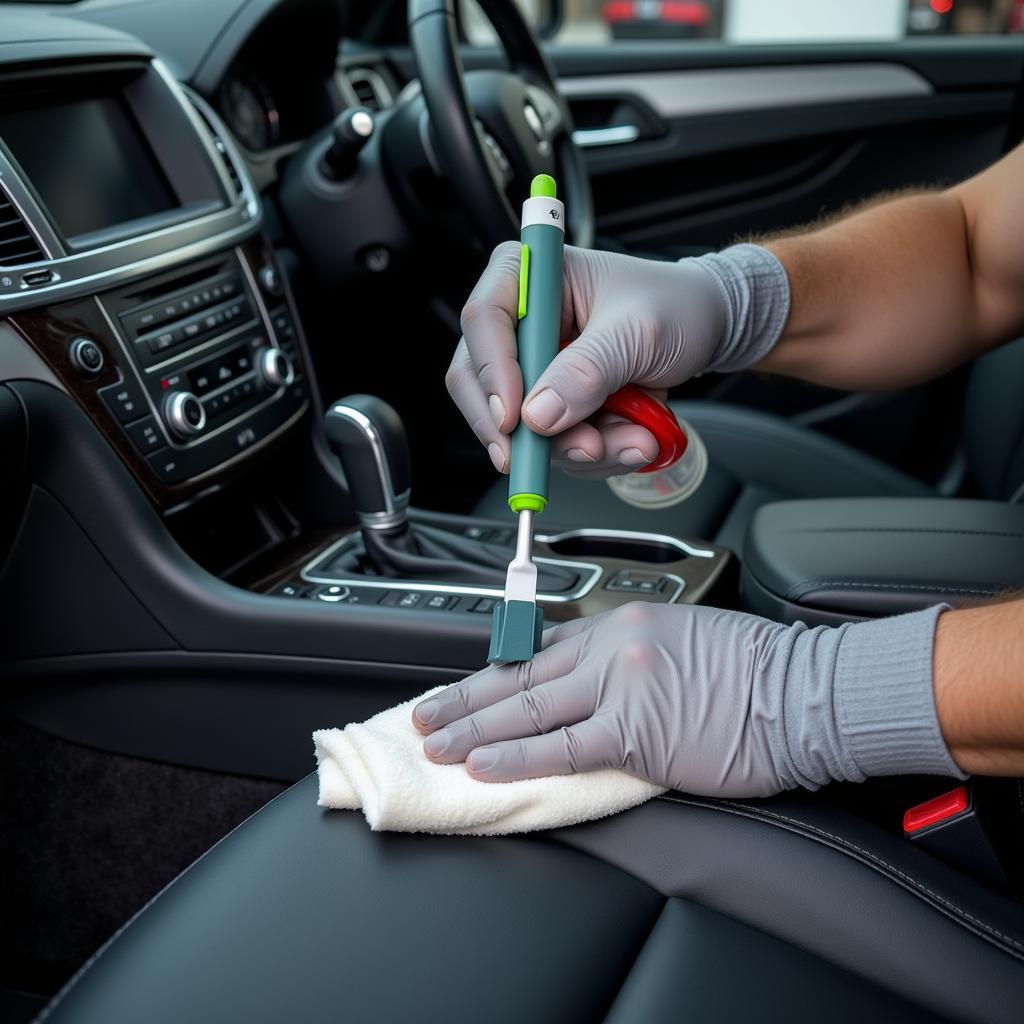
(597,22)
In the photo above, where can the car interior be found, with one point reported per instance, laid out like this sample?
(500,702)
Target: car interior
(235,240)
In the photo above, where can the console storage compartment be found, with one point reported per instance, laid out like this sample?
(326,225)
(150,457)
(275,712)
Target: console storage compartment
(828,561)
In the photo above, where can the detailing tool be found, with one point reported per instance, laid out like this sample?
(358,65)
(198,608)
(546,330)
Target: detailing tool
(517,623)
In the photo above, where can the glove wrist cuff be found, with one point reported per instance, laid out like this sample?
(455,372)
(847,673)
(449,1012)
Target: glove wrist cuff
(884,697)
(754,289)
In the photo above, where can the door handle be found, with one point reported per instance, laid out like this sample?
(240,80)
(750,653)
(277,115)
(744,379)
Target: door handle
(613,135)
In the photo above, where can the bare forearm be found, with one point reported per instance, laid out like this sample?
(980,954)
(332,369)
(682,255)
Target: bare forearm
(979,687)
(905,289)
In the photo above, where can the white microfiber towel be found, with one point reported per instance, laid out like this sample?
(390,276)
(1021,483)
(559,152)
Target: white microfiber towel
(379,766)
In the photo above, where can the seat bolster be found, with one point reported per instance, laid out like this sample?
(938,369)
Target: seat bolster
(832,884)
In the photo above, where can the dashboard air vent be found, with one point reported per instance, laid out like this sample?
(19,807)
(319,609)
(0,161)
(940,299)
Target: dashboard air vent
(222,150)
(370,89)
(17,243)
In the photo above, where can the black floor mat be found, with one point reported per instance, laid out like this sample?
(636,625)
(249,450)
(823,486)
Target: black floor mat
(86,838)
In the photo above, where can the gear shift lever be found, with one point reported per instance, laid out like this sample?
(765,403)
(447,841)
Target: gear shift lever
(368,437)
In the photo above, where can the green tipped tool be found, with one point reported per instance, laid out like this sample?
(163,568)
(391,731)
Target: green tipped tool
(518,622)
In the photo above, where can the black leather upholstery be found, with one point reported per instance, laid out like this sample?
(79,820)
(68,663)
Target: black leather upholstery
(754,458)
(824,561)
(681,909)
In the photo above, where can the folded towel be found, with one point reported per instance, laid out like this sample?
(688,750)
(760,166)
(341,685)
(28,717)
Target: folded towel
(380,766)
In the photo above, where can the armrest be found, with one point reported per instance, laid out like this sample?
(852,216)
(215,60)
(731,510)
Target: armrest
(831,560)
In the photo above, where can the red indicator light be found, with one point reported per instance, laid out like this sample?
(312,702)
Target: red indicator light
(165,384)
(942,6)
(936,810)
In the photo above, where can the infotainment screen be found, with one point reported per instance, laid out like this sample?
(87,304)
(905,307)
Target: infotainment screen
(89,162)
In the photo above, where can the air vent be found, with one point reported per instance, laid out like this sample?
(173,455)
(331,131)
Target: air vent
(17,243)
(370,89)
(222,150)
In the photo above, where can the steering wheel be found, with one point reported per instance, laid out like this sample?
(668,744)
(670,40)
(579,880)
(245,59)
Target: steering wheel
(493,131)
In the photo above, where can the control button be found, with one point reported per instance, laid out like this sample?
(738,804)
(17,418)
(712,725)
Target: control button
(245,437)
(146,435)
(86,356)
(484,604)
(636,582)
(170,466)
(410,600)
(124,401)
(163,341)
(184,413)
(283,326)
(275,368)
(270,280)
(331,594)
(289,590)
(440,601)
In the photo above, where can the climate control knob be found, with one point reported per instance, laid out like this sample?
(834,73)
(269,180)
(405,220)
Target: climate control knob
(184,413)
(275,368)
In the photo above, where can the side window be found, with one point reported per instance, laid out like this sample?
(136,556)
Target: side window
(596,22)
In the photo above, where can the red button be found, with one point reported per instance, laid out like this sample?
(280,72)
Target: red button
(936,810)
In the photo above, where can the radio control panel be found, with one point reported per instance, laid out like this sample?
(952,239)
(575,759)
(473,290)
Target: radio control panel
(212,369)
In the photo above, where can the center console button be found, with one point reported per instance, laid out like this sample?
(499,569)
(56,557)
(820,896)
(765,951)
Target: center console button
(184,413)
(332,594)
(124,400)
(86,356)
(145,435)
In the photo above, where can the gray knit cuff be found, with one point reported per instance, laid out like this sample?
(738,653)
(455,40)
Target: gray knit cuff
(885,700)
(755,293)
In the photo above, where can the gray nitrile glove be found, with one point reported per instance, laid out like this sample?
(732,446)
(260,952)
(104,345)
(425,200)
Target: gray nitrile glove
(638,321)
(712,702)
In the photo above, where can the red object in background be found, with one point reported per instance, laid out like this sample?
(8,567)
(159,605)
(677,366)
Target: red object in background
(1015,21)
(678,12)
(936,810)
(635,405)
(619,10)
(942,6)
(685,12)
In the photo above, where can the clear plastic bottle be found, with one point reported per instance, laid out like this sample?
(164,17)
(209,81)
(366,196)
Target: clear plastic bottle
(667,486)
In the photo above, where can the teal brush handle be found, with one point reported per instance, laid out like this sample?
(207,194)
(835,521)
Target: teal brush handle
(540,310)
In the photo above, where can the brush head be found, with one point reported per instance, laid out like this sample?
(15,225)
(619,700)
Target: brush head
(516,628)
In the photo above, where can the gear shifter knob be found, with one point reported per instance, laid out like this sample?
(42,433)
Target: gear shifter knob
(368,437)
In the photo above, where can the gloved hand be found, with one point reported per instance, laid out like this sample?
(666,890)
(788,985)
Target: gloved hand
(712,702)
(644,322)
(635,321)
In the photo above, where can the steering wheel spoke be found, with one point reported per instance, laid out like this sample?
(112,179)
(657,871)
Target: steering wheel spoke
(494,130)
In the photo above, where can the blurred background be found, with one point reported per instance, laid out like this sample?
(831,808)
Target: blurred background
(757,21)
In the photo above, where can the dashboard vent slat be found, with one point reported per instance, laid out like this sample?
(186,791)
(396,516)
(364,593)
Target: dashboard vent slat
(17,243)
(369,88)
(222,152)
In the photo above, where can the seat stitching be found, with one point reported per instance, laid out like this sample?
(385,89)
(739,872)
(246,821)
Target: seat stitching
(803,589)
(911,529)
(912,883)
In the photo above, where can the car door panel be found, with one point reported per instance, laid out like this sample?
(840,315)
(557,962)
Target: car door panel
(740,141)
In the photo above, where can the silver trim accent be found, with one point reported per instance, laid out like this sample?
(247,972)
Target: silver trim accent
(392,502)
(174,413)
(695,92)
(387,520)
(661,538)
(613,135)
(309,574)
(97,269)
(268,367)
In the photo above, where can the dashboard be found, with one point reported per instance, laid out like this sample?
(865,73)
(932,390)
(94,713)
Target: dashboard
(134,271)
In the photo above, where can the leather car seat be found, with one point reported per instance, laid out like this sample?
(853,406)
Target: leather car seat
(755,458)
(682,909)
